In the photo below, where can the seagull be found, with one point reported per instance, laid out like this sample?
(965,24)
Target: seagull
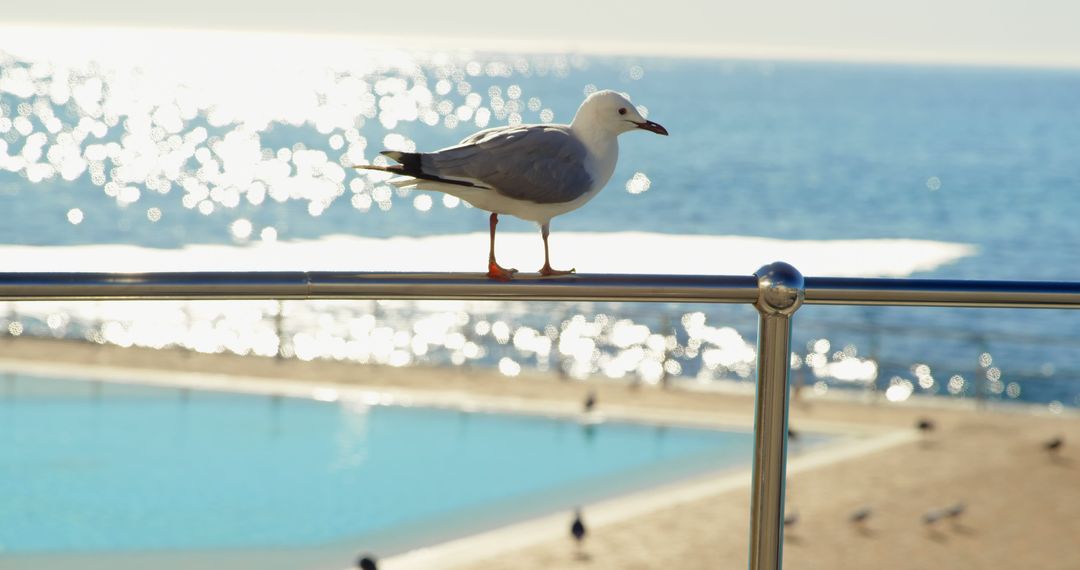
(925,425)
(1053,445)
(955,511)
(791,518)
(533,172)
(577,529)
(931,517)
(860,516)
(590,402)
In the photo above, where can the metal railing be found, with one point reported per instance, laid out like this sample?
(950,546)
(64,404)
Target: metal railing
(776,290)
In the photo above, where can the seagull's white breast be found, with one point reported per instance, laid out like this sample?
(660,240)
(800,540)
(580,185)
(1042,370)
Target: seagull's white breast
(603,154)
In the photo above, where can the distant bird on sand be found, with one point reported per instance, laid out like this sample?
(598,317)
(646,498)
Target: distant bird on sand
(577,529)
(1053,445)
(860,516)
(791,519)
(925,425)
(954,512)
(534,172)
(367,562)
(930,518)
(590,401)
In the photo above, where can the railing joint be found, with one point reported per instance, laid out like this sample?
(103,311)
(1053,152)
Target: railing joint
(781,290)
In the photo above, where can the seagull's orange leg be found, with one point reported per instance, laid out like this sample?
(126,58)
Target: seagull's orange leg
(546,270)
(494,270)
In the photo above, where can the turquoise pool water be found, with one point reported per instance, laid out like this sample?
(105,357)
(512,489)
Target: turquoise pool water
(90,467)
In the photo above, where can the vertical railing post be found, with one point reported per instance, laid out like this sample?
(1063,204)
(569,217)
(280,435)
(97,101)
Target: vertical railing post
(780,293)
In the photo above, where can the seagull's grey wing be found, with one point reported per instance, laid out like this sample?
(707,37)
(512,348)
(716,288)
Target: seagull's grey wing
(480,136)
(541,163)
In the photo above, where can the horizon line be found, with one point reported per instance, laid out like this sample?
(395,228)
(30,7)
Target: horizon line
(562,46)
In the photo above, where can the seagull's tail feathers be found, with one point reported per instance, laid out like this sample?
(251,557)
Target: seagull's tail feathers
(404,182)
(410,161)
(400,182)
(411,165)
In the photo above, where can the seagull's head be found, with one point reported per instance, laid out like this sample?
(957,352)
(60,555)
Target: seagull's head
(613,112)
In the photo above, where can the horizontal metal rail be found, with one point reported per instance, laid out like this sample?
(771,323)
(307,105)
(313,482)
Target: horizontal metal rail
(356,285)
(942,293)
(476,286)
(776,291)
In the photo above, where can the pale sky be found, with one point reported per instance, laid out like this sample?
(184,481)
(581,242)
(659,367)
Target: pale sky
(1040,32)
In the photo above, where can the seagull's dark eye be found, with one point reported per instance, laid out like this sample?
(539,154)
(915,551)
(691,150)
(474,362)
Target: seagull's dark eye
(622,110)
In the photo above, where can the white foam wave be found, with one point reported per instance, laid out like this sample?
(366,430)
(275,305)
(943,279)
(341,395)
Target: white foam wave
(622,252)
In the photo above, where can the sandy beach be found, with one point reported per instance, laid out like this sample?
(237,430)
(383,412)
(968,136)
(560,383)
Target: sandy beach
(1021,504)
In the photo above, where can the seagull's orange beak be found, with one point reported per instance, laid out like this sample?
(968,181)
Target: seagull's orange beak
(654,127)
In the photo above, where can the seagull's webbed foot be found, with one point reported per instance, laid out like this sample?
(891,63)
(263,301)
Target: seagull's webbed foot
(547,271)
(497,272)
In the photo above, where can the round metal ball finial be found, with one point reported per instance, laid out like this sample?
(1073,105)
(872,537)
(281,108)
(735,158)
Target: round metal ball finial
(780,288)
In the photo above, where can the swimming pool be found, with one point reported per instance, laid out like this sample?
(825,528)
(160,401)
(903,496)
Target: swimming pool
(92,467)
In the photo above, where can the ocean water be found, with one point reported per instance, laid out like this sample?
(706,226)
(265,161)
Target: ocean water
(96,468)
(199,148)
